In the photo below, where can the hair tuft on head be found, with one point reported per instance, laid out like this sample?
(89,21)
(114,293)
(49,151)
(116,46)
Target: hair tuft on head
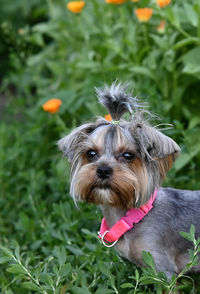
(117,100)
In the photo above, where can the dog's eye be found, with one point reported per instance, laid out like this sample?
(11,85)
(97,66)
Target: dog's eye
(128,156)
(91,154)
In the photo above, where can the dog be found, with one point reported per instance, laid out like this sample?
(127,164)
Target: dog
(120,165)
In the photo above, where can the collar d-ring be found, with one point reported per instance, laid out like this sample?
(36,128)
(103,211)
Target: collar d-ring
(104,241)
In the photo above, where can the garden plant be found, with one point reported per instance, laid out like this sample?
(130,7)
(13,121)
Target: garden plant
(53,53)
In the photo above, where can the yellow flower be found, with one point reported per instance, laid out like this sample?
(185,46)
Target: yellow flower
(75,6)
(115,1)
(52,105)
(161,27)
(143,14)
(163,3)
(134,0)
(108,117)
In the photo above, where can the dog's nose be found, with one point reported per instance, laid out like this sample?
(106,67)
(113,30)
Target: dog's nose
(104,172)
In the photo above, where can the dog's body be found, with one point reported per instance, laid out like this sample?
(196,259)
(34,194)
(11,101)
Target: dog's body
(173,212)
(119,165)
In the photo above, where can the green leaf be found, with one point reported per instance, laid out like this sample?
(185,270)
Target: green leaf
(37,39)
(34,60)
(7,252)
(187,236)
(194,122)
(191,61)
(137,275)
(191,14)
(185,42)
(66,269)
(17,252)
(62,256)
(169,57)
(192,69)
(104,269)
(5,259)
(195,261)
(112,281)
(16,269)
(89,233)
(191,254)
(75,250)
(31,286)
(192,231)
(127,285)
(146,280)
(45,27)
(198,241)
(143,71)
(185,158)
(173,15)
(161,41)
(148,259)
(46,278)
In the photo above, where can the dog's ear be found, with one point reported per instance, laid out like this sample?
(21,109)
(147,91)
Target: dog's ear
(156,146)
(71,144)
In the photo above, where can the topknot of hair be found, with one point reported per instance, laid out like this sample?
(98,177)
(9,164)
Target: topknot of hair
(117,100)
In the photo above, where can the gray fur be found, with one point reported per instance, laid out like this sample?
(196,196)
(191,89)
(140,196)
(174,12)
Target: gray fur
(70,144)
(116,100)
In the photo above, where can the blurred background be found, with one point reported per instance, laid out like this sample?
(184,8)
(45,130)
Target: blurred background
(63,49)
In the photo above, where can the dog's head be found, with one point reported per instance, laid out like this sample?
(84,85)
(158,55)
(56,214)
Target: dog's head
(118,163)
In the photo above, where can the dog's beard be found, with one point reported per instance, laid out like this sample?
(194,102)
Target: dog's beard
(120,190)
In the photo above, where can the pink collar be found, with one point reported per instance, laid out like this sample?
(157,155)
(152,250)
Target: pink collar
(125,223)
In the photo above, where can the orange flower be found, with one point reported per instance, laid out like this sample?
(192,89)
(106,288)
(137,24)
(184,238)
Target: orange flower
(163,3)
(115,1)
(161,27)
(108,117)
(52,105)
(143,14)
(134,0)
(75,6)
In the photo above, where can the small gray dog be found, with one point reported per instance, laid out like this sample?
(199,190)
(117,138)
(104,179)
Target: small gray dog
(120,165)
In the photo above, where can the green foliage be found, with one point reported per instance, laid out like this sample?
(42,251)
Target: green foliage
(47,245)
(56,53)
(149,275)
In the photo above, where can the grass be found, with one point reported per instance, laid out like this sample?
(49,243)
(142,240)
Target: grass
(48,245)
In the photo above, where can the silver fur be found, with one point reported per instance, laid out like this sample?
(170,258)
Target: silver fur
(116,99)
(174,210)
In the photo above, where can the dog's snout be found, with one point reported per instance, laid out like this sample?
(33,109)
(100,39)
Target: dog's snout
(104,172)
